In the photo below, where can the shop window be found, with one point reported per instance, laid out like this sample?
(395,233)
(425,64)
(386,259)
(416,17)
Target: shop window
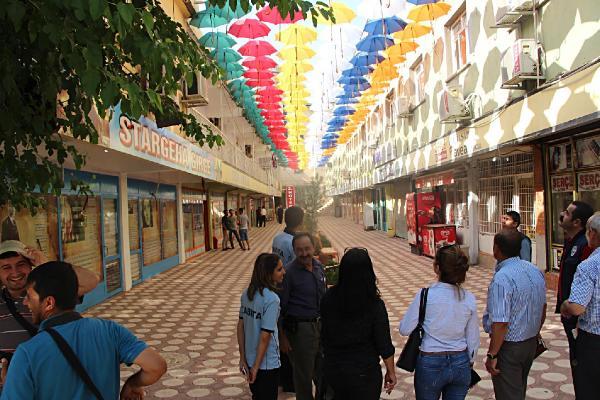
(495,198)
(150,232)
(458,39)
(168,228)
(456,211)
(418,82)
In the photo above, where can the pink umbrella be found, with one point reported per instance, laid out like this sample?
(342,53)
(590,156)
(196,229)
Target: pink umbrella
(249,28)
(259,63)
(260,82)
(269,99)
(257,48)
(270,91)
(253,74)
(272,15)
(269,106)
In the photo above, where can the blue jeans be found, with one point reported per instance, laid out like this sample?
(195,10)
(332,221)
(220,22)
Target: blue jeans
(442,375)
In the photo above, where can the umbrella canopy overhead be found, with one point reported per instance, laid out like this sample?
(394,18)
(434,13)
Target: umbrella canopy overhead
(341,12)
(366,59)
(411,32)
(385,26)
(273,16)
(207,19)
(375,43)
(225,55)
(216,40)
(257,48)
(249,28)
(259,63)
(296,53)
(297,35)
(429,11)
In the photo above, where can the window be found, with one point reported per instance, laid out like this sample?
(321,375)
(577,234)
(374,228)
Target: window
(458,37)
(418,78)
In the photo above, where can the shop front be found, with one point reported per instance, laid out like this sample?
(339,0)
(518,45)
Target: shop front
(217,208)
(194,215)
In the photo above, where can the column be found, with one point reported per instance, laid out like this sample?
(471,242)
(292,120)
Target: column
(539,250)
(180,230)
(124,229)
(473,210)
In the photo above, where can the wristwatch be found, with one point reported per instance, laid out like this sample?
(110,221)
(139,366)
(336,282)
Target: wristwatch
(492,356)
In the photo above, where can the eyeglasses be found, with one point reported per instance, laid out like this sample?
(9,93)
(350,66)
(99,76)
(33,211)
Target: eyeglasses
(357,248)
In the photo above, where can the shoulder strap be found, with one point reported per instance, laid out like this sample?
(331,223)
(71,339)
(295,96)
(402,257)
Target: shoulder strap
(423,305)
(28,326)
(72,359)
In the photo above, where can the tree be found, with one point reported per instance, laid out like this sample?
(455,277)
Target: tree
(83,54)
(311,198)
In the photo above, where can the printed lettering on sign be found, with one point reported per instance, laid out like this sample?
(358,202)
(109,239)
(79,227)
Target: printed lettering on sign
(588,181)
(562,183)
(290,196)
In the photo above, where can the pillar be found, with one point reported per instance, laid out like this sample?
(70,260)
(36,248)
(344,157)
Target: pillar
(180,230)
(473,210)
(124,229)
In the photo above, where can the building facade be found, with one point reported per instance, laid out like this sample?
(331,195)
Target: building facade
(497,110)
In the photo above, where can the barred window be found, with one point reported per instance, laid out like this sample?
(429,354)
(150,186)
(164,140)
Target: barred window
(495,198)
(456,211)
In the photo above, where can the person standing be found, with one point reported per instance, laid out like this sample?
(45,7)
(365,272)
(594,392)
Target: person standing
(584,302)
(356,332)
(279,214)
(39,368)
(514,315)
(224,224)
(244,223)
(451,327)
(231,225)
(301,294)
(573,221)
(282,242)
(263,216)
(257,332)
(512,220)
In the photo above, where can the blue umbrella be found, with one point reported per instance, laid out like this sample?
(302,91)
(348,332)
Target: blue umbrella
(419,2)
(385,26)
(348,100)
(337,121)
(366,59)
(357,71)
(352,80)
(344,111)
(356,87)
(375,43)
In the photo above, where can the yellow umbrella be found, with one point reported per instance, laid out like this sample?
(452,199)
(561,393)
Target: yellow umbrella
(428,12)
(297,119)
(297,34)
(295,68)
(296,53)
(401,48)
(295,107)
(343,14)
(411,31)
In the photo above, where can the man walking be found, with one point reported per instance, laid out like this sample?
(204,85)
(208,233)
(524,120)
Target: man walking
(515,313)
(279,214)
(244,223)
(231,225)
(584,302)
(512,220)
(303,288)
(16,263)
(573,221)
(282,243)
(39,368)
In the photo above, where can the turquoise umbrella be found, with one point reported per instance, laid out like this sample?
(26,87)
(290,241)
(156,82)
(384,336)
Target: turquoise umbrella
(216,40)
(227,12)
(225,55)
(233,75)
(207,19)
(232,67)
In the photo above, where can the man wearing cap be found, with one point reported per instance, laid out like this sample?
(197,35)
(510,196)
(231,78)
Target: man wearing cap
(16,262)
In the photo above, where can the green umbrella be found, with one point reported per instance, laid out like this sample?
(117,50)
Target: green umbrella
(207,19)
(225,55)
(218,40)
(231,75)
(227,12)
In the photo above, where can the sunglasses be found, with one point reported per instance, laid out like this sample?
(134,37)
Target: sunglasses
(357,248)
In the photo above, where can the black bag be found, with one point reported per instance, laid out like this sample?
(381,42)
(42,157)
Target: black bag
(71,357)
(408,358)
(475,378)
(12,308)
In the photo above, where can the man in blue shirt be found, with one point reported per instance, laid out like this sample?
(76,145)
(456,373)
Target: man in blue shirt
(282,243)
(40,371)
(512,220)
(584,302)
(515,313)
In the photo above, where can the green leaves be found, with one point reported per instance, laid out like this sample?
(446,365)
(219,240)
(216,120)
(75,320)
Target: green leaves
(126,11)
(96,8)
(16,12)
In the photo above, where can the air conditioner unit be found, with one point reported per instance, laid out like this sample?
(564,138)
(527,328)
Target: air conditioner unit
(519,63)
(404,109)
(510,14)
(195,92)
(453,107)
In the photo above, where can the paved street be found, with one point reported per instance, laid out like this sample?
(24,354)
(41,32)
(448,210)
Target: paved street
(189,314)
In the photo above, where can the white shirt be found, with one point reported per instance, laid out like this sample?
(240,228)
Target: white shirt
(451,324)
(263,211)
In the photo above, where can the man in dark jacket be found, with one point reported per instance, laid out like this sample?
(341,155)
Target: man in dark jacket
(575,250)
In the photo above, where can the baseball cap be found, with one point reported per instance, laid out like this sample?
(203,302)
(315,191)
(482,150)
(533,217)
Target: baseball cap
(15,246)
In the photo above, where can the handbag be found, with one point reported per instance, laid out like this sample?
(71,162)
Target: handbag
(408,357)
(475,378)
(540,348)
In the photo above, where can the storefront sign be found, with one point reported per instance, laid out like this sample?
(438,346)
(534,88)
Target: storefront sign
(562,183)
(145,140)
(411,219)
(588,181)
(446,178)
(290,196)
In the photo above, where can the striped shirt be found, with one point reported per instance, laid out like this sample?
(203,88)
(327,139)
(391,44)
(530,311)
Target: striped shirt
(516,295)
(11,332)
(585,291)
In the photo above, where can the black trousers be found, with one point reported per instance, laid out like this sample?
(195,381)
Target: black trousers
(237,236)
(514,360)
(355,386)
(265,385)
(587,384)
(568,327)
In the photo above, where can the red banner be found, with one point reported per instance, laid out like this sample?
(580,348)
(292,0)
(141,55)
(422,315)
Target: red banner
(290,196)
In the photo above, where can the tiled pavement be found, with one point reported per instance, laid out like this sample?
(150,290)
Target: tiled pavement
(189,314)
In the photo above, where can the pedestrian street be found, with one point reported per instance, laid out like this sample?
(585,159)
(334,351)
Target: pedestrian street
(189,314)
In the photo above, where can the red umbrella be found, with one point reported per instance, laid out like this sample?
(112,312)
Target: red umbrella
(249,28)
(269,106)
(270,91)
(272,114)
(272,15)
(273,123)
(278,130)
(259,63)
(253,74)
(260,82)
(269,99)
(257,48)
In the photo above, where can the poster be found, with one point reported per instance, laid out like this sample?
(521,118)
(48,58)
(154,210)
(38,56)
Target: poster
(290,196)
(588,152)
(562,183)
(411,219)
(560,157)
(429,211)
(588,181)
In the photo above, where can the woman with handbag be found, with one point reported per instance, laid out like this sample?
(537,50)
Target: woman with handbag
(355,332)
(451,330)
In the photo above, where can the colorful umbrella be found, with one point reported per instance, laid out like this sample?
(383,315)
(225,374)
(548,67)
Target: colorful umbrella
(259,63)
(345,80)
(342,13)
(217,40)
(365,59)
(260,82)
(385,26)
(227,12)
(428,12)
(225,55)
(411,32)
(273,16)
(249,28)
(357,71)
(257,48)
(374,43)
(254,74)
(270,91)
(297,35)
(207,19)
(401,49)
(296,53)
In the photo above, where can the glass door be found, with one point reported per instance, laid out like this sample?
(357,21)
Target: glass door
(135,240)
(111,254)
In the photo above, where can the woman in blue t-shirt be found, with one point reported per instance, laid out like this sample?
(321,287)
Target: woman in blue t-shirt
(257,332)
